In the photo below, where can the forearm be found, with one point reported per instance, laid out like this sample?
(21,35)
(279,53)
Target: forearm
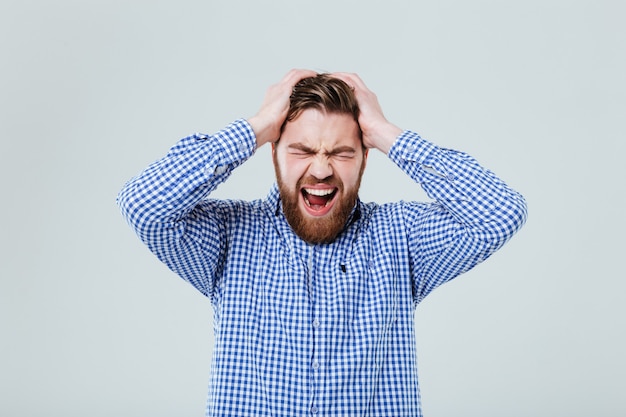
(171,187)
(473,195)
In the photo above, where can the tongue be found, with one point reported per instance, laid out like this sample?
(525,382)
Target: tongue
(316,200)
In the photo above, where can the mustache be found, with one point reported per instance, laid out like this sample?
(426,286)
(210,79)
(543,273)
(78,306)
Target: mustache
(311,180)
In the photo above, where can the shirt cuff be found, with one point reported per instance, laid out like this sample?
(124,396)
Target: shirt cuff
(410,146)
(421,159)
(231,147)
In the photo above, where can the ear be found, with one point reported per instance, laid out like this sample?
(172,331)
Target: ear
(366,152)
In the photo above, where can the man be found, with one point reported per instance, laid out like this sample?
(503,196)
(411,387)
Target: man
(314,290)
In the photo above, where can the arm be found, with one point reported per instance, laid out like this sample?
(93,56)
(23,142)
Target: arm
(163,203)
(474,212)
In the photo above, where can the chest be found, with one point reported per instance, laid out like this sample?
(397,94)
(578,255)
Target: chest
(354,286)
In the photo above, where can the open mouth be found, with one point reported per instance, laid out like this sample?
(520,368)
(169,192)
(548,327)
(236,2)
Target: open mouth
(318,201)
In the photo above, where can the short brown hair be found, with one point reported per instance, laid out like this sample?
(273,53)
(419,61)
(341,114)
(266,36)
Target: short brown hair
(325,93)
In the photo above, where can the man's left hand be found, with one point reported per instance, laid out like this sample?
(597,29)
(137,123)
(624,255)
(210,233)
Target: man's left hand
(378,132)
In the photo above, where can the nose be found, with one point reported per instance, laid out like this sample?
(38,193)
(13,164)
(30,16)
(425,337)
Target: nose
(320,167)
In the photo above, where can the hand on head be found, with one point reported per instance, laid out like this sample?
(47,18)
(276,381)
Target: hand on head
(377,131)
(273,112)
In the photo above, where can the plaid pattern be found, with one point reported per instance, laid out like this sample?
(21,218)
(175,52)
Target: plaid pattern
(306,329)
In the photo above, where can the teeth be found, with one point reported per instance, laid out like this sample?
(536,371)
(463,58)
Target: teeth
(319,193)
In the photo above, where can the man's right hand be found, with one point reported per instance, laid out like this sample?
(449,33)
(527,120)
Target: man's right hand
(268,121)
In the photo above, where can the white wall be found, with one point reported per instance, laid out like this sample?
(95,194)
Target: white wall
(92,91)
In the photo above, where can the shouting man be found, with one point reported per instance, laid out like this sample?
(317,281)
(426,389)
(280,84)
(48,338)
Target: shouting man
(314,290)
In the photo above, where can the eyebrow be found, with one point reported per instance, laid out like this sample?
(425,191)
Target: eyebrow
(340,149)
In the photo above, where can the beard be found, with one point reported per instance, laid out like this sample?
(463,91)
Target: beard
(323,229)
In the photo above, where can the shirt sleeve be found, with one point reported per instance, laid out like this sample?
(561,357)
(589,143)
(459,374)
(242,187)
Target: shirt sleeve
(160,203)
(473,214)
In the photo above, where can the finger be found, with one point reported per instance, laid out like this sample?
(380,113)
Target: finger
(296,75)
(353,80)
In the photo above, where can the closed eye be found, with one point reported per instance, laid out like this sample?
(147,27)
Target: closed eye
(301,154)
(343,155)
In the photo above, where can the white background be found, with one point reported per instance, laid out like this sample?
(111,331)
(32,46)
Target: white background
(92,91)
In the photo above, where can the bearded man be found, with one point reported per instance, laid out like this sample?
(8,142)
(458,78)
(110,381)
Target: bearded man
(313,290)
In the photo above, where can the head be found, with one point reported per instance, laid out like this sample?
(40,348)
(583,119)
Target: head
(319,158)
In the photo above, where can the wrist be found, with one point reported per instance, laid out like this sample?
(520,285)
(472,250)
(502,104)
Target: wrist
(383,137)
(264,131)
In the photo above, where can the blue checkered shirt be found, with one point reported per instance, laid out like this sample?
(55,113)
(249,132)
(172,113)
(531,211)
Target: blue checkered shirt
(316,330)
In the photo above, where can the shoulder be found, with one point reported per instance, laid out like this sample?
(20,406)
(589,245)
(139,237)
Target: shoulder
(401,216)
(229,209)
(390,211)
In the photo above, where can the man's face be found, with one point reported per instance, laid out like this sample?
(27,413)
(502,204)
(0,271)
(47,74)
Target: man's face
(319,162)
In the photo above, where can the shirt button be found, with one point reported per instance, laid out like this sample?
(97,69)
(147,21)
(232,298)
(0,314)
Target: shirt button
(314,410)
(316,365)
(316,323)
